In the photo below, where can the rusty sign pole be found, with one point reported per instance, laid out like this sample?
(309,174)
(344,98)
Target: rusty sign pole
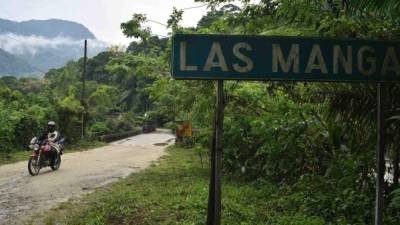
(214,197)
(380,152)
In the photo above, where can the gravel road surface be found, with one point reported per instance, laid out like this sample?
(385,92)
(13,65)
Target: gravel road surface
(21,195)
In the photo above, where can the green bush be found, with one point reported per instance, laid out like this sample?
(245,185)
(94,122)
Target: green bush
(99,128)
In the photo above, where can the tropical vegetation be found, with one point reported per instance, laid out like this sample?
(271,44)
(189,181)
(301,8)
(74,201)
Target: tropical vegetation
(314,142)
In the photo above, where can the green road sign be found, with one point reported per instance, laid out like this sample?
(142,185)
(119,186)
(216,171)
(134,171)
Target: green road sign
(234,57)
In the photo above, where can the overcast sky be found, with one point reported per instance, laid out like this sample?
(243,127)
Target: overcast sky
(102,17)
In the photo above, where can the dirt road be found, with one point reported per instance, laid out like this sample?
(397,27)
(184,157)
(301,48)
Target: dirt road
(21,195)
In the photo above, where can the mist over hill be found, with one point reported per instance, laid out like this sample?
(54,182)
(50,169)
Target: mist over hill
(12,65)
(43,44)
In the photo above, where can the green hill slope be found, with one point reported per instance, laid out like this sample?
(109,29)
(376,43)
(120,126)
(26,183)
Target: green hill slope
(12,65)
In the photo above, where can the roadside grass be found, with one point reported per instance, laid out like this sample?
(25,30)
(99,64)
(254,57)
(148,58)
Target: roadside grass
(21,155)
(14,156)
(174,191)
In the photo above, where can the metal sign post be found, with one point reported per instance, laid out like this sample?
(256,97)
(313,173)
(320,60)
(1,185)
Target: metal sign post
(214,196)
(380,152)
(244,57)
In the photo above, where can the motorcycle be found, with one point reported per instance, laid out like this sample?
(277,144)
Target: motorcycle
(42,155)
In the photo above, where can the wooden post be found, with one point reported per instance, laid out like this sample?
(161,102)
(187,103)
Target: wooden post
(214,198)
(380,152)
(83,92)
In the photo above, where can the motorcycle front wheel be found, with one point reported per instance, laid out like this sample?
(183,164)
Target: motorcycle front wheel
(57,163)
(33,166)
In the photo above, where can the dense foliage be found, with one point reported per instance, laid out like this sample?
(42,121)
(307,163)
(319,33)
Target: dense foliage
(114,101)
(315,141)
(319,140)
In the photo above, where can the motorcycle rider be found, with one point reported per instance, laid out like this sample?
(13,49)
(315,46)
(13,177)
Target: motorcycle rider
(53,137)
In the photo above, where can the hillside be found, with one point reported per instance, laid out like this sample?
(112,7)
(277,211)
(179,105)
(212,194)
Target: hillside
(43,44)
(12,65)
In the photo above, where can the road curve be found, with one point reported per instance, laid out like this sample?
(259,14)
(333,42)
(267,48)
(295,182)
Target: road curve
(21,195)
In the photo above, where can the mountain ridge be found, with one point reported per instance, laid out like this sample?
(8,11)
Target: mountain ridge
(49,28)
(39,45)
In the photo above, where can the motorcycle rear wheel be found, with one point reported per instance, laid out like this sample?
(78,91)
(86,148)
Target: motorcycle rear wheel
(32,168)
(57,163)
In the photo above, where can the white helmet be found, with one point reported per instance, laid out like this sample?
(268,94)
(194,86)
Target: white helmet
(51,126)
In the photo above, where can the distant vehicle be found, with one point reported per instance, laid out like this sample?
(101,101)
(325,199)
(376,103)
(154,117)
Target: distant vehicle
(149,126)
(42,155)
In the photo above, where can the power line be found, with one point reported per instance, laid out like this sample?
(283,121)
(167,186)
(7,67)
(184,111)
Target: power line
(165,25)
(184,9)
(163,36)
(160,35)
(194,7)
(154,21)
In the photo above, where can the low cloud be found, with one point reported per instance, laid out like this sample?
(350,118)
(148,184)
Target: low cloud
(30,45)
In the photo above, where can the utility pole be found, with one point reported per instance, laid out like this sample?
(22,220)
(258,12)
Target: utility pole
(83,92)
